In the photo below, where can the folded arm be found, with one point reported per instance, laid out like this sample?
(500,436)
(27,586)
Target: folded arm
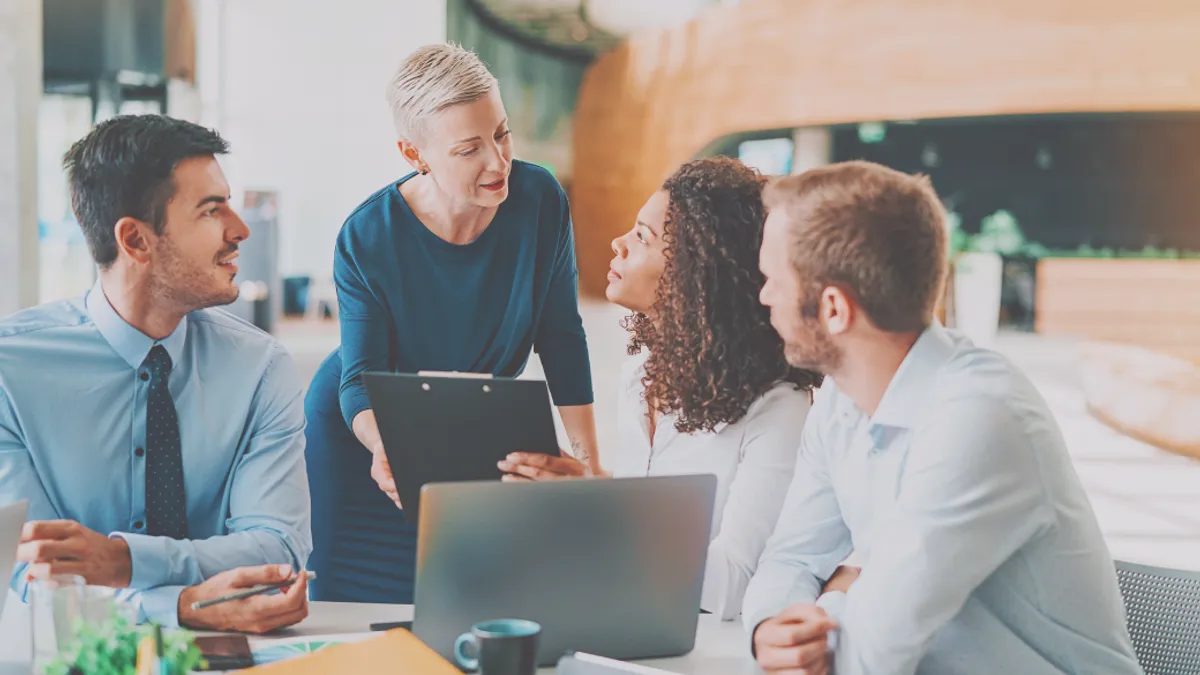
(971,497)
(810,539)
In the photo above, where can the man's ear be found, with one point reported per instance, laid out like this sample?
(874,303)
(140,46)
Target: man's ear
(837,310)
(134,239)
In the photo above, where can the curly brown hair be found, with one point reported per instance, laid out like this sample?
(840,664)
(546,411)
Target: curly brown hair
(713,351)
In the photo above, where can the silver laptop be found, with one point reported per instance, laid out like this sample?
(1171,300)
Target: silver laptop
(12,519)
(610,567)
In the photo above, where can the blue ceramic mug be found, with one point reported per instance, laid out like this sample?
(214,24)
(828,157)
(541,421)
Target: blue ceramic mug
(501,647)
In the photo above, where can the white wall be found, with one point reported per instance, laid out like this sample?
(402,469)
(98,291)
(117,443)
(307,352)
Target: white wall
(814,148)
(20,90)
(298,90)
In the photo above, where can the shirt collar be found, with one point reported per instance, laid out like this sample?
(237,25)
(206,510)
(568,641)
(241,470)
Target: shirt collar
(905,401)
(130,343)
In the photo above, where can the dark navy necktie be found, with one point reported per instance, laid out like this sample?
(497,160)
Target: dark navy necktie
(166,507)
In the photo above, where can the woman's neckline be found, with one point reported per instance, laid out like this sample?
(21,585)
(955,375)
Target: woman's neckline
(434,238)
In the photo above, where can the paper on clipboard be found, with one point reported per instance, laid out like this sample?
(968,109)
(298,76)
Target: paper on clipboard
(455,373)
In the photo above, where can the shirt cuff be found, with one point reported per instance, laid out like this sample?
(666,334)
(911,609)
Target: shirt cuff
(353,400)
(833,602)
(751,617)
(574,400)
(751,630)
(159,605)
(146,554)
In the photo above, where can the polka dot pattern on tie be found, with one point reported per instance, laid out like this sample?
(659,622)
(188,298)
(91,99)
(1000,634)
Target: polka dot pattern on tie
(166,506)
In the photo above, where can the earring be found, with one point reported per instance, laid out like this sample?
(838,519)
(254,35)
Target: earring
(424,172)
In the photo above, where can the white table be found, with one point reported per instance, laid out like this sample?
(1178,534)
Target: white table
(720,646)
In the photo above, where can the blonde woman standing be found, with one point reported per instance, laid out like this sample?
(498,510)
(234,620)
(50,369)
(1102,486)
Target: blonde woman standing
(466,264)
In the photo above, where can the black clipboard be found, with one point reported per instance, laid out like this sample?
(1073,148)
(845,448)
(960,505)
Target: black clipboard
(450,427)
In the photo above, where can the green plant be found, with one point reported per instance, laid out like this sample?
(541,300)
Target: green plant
(111,649)
(1000,233)
(1147,253)
(958,239)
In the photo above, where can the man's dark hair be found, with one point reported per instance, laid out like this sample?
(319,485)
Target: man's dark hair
(123,169)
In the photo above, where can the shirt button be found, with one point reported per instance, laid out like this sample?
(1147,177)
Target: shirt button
(144,376)
(137,525)
(139,452)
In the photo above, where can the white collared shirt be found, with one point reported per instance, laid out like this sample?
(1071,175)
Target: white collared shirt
(753,460)
(979,550)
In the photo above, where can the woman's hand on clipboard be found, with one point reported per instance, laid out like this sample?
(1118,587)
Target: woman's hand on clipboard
(522,466)
(382,473)
(366,430)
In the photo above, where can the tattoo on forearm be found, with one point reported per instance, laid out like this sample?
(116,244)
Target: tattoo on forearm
(577,451)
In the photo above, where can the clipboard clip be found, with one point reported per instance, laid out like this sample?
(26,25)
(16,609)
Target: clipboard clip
(455,373)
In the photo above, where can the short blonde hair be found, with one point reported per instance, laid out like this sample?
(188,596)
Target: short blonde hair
(431,79)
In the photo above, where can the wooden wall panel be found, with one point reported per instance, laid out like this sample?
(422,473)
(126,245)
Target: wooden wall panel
(660,97)
(1150,303)
(179,41)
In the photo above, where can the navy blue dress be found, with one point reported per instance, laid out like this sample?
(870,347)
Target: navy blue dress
(408,300)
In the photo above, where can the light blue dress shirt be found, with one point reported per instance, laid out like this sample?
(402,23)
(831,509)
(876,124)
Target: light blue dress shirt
(979,550)
(73,425)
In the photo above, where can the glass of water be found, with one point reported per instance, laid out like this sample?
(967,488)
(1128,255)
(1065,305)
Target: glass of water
(56,607)
(100,606)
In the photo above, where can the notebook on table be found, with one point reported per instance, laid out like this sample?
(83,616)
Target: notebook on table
(396,652)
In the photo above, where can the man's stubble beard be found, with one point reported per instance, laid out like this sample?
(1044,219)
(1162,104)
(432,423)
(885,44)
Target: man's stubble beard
(812,348)
(179,283)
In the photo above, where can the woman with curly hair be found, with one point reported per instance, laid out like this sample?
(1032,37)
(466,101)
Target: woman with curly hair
(706,388)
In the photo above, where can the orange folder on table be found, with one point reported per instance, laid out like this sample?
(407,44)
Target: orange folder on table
(396,652)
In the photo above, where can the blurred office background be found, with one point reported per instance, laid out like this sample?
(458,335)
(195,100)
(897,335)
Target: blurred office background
(1063,136)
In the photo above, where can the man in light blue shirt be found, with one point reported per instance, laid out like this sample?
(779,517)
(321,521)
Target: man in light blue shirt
(160,443)
(936,462)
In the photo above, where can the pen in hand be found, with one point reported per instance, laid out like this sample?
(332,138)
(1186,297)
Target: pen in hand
(251,592)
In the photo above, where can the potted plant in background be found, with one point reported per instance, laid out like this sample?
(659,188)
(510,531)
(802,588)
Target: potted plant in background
(118,647)
(978,271)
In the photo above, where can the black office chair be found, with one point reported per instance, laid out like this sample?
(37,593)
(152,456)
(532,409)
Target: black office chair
(1162,607)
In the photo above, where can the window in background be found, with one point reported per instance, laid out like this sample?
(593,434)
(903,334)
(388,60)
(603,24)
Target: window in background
(771,156)
(65,266)
(1073,183)
(141,107)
